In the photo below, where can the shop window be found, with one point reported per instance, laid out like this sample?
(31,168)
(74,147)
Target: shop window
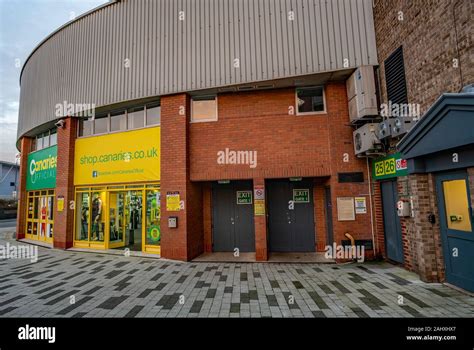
(136,118)
(118,121)
(97,216)
(116,216)
(85,127)
(204,109)
(310,100)
(101,125)
(82,216)
(39,217)
(153,115)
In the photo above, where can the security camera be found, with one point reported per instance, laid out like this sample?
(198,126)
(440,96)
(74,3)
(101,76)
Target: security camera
(60,123)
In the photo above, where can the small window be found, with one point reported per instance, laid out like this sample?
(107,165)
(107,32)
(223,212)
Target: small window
(85,127)
(39,142)
(46,139)
(136,118)
(153,115)
(310,100)
(34,146)
(204,109)
(53,138)
(101,125)
(118,121)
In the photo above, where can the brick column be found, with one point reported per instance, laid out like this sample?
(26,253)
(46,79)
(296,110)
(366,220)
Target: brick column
(261,247)
(421,239)
(64,220)
(186,241)
(25,147)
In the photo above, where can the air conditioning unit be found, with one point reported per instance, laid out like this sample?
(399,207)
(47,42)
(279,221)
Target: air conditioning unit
(361,93)
(384,129)
(401,126)
(365,139)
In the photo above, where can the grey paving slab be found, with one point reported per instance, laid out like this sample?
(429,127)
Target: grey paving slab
(77,284)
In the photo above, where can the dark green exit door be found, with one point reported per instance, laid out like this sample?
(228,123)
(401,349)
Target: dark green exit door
(290,216)
(232,217)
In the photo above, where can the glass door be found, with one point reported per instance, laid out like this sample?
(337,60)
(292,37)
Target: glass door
(152,214)
(117,219)
(133,220)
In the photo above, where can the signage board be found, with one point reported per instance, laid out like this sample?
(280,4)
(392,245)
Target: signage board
(41,171)
(131,156)
(388,167)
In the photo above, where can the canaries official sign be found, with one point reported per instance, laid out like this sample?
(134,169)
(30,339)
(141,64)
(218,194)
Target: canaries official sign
(41,172)
(132,156)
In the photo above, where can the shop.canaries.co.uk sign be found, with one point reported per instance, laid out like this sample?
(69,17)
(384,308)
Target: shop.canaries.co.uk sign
(41,172)
(131,156)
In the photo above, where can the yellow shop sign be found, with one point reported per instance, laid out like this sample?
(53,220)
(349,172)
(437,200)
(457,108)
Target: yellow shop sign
(132,156)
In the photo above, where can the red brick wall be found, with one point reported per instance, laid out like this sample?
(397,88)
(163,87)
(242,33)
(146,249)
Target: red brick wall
(287,146)
(25,147)
(186,241)
(261,234)
(63,235)
(320,216)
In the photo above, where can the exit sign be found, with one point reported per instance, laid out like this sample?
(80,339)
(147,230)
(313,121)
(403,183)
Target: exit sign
(244,197)
(301,196)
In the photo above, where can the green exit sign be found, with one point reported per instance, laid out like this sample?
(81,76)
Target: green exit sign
(301,196)
(244,197)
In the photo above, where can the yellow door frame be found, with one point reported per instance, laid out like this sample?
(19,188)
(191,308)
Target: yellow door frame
(108,189)
(39,221)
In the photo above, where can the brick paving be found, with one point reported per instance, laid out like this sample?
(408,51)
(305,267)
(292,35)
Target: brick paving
(77,284)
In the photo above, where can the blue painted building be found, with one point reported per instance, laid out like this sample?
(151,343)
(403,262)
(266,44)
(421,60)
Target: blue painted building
(9,175)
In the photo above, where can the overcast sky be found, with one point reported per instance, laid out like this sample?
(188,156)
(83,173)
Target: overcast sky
(23,24)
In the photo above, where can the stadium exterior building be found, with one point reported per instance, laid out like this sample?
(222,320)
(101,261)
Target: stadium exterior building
(188,128)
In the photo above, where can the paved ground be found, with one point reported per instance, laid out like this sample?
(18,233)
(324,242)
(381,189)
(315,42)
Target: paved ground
(7,223)
(118,286)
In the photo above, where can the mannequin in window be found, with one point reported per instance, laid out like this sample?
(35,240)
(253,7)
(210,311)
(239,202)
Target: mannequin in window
(84,218)
(96,214)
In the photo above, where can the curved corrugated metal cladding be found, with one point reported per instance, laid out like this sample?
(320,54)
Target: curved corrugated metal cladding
(133,49)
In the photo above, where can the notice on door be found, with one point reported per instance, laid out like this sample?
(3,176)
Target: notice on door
(173,201)
(244,197)
(259,207)
(360,205)
(301,196)
(345,209)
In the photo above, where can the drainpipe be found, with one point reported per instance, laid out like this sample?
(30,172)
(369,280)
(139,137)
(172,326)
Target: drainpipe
(348,235)
(371,209)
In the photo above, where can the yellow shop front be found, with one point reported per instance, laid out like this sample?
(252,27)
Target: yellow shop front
(117,189)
